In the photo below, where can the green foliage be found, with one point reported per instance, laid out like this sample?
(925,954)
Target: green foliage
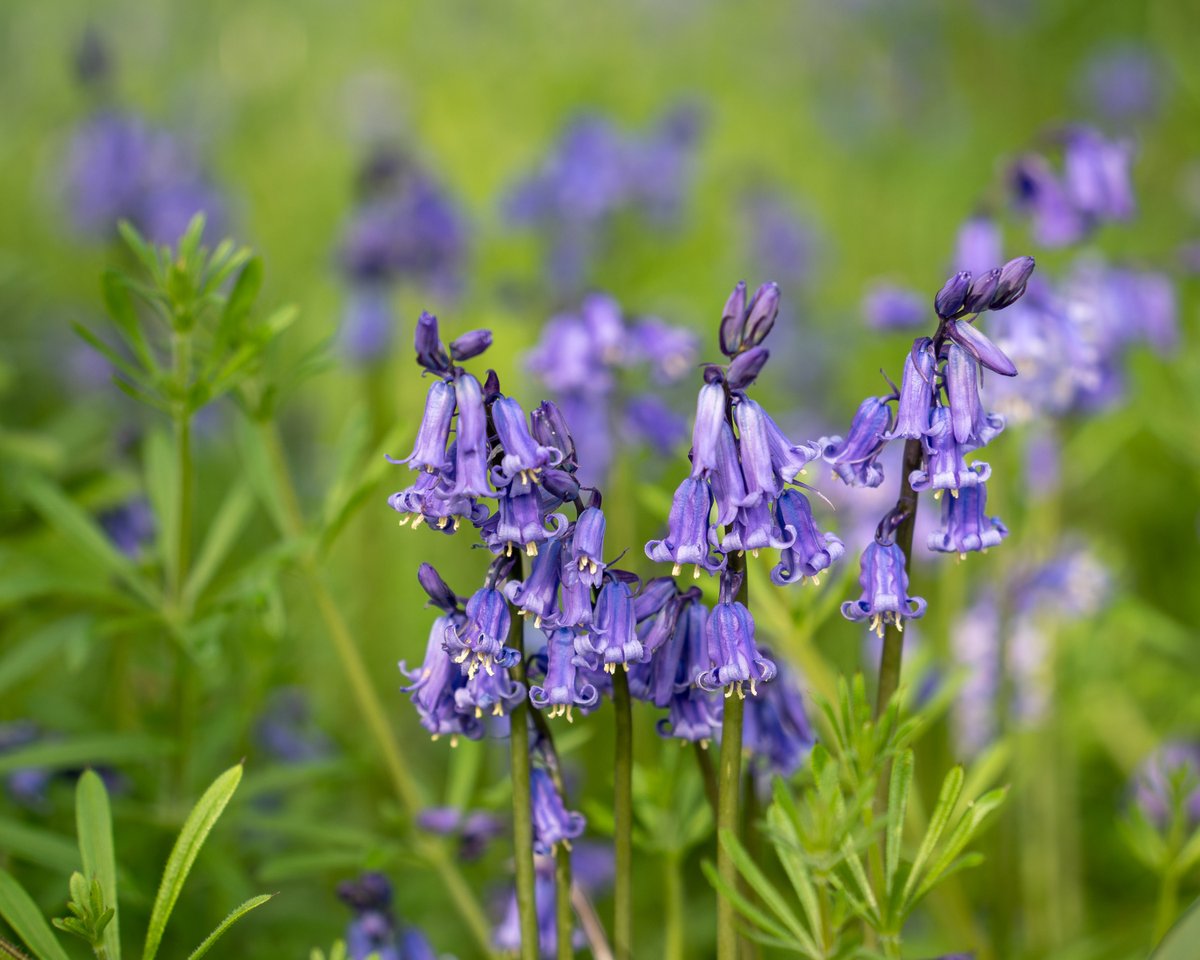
(91,915)
(23,915)
(93,819)
(846,865)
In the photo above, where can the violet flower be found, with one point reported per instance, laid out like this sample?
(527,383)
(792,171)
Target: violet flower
(965,528)
(854,458)
(564,687)
(478,639)
(553,823)
(687,539)
(537,594)
(810,551)
(435,685)
(944,467)
(777,733)
(734,660)
(613,636)
(587,546)
(884,582)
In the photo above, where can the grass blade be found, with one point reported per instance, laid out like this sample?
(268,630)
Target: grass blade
(183,855)
(82,751)
(93,820)
(236,915)
(23,915)
(767,892)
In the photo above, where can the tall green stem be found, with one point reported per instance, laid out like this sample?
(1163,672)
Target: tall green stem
(623,818)
(893,639)
(564,913)
(522,800)
(1168,903)
(184,692)
(673,942)
(403,782)
(729,781)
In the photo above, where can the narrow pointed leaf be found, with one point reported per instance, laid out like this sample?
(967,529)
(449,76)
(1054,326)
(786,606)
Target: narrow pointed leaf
(226,527)
(947,800)
(902,776)
(749,910)
(767,892)
(236,915)
(23,915)
(187,847)
(93,821)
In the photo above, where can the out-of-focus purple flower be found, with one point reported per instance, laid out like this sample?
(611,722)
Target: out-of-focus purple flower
(553,823)
(374,932)
(1123,82)
(475,830)
(884,581)
(965,527)
(368,323)
(1038,192)
(694,716)
(506,936)
(1169,780)
(978,247)
(120,168)
(734,659)
(890,307)
(977,653)
(649,418)
(687,539)
(811,551)
(670,351)
(777,734)
(783,243)
(26,786)
(286,729)
(854,458)
(130,526)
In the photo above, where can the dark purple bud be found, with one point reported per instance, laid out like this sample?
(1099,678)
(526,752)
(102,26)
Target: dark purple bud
(950,299)
(981,348)
(561,484)
(440,595)
(550,430)
(1014,275)
(430,352)
(654,595)
(491,386)
(763,310)
(733,320)
(745,368)
(983,289)
(470,344)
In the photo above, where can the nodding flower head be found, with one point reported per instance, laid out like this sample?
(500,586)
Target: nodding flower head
(489,693)
(694,716)
(944,467)
(564,687)
(434,686)
(674,663)
(520,521)
(728,483)
(854,459)
(587,546)
(754,447)
(687,539)
(965,528)
(734,660)
(884,582)
(438,591)
(550,430)
(478,640)
(614,636)
(537,594)
(553,823)
(470,442)
(916,392)
(523,457)
(755,528)
(810,551)
(706,434)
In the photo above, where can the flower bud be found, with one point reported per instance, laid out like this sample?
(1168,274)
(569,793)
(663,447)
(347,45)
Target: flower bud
(1014,275)
(733,320)
(950,299)
(764,308)
(745,368)
(470,344)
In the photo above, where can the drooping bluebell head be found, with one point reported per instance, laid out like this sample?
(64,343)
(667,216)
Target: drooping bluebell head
(470,441)
(553,823)
(575,605)
(980,347)
(884,582)
(587,546)
(755,528)
(438,591)
(854,459)
(734,659)
(754,448)
(916,392)
(687,539)
(429,450)
(434,686)
(521,521)
(537,594)
(650,420)
(523,457)
(564,686)
(728,484)
(694,716)
(372,932)
(614,636)
(475,829)
(673,665)
(945,468)
(706,434)
(965,528)
(478,640)
(788,459)
(487,693)
(810,551)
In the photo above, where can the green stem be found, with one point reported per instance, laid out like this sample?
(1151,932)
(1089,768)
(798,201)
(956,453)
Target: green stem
(673,943)
(522,800)
(623,818)
(1168,903)
(367,699)
(564,913)
(729,782)
(709,775)
(184,692)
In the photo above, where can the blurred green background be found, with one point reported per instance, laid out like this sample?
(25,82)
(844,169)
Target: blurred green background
(883,125)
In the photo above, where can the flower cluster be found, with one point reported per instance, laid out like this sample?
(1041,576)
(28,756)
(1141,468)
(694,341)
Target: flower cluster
(374,932)
(406,228)
(596,173)
(938,410)
(1089,187)
(581,359)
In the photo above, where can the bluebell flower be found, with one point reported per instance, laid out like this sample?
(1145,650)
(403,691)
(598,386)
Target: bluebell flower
(951,299)
(550,429)
(575,605)
(810,551)
(489,693)
(916,392)
(523,458)
(733,321)
(469,345)
(673,665)
(694,716)
(372,932)
(587,546)
(1169,776)
(777,734)
(286,729)
(521,521)
(788,459)
(130,526)
(854,458)
(433,435)
(471,447)
(653,596)
(478,638)
(1097,174)
(439,592)
(564,686)
(1123,81)
(475,830)
(944,467)
(537,594)
(687,539)
(754,449)
(553,823)
(706,432)
(980,347)
(756,528)
(507,934)
(889,307)
(965,527)
(434,686)
(613,636)
(728,484)
(669,350)
(884,581)
(734,660)
(978,245)
(746,366)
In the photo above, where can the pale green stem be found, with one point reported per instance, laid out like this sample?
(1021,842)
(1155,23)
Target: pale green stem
(522,800)
(729,782)
(623,818)
(673,943)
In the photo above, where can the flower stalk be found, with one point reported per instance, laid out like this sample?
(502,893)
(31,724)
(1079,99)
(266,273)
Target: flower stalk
(623,818)
(729,781)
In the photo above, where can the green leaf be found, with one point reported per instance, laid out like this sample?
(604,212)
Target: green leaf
(23,915)
(65,516)
(241,300)
(119,304)
(109,354)
(226,527)
(84,750)
(229,921)
(788,850)
(1180,941)
(93,820)
(142,250)
(743,905)
(972,819)
(947,801)
(183,855)
(23,841)
(29,655)
(902,777)
(766,890)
